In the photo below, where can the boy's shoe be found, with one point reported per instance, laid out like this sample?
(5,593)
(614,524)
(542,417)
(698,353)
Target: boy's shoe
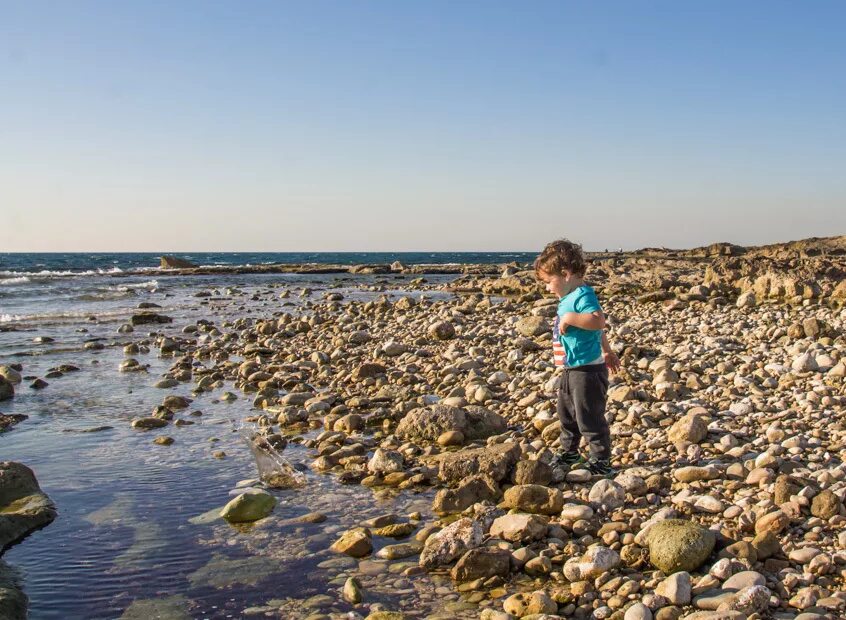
(601,467)
(568,460)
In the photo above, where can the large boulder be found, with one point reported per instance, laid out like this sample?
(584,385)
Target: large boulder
(679,545)
(23,506)
(429,423)
(451,542)
(534,498)
(493,461)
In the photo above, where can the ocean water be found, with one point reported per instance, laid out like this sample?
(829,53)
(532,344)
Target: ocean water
(130,540)
(58,264)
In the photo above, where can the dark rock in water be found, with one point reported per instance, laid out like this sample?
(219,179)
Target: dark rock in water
(93,429)
(13,602)
(148,318)
(38,384)
(148,423)
(7,392)
(145,305)
(23,507)
(9,420)
(171,262)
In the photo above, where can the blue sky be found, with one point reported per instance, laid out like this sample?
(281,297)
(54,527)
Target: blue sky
(358,125)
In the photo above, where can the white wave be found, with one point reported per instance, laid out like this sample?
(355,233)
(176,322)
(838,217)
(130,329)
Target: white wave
(125,287)
(11,281)
(46,273)
(61,316)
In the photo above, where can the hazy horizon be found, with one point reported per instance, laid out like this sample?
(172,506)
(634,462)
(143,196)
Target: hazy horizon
(350,127)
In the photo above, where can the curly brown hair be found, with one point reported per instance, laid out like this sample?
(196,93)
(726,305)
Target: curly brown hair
(560,256)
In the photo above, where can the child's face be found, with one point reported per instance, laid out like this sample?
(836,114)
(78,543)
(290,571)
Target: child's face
(557,284)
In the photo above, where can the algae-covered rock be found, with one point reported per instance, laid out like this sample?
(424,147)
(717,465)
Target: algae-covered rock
(248,507)
(679,545)
(23,507)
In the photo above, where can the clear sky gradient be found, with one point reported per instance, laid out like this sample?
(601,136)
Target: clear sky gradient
(360,125)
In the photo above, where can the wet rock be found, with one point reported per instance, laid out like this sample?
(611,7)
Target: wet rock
(149,318)
(10,374)
(148,423)
(7,390)
(249,507)
(352,591)
(23,506)
(356,542)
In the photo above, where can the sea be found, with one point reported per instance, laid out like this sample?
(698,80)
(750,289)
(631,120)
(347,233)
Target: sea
(136,534)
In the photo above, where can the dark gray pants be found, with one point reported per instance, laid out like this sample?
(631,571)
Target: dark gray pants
(581,409)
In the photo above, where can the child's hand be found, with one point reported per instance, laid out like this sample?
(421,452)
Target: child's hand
(612,361)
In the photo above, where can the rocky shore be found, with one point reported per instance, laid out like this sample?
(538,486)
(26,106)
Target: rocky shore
(728,423)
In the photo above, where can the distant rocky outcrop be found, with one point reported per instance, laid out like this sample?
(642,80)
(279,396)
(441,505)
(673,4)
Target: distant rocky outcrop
(171,262)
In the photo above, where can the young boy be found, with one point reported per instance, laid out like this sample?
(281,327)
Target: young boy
(580,345)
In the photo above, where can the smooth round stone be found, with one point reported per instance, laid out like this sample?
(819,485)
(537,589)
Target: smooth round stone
(578,475)
(370,567)
(575,512)
(804,555)
(744,579)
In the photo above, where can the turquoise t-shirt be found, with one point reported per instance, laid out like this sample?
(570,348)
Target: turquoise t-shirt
(581,346)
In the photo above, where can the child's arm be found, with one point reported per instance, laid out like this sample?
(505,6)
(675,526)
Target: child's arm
(593,321)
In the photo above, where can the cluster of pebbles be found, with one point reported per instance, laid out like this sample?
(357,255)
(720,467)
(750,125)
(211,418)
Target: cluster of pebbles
(728,424)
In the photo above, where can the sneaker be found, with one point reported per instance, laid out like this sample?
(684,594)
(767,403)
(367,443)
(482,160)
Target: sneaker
(601,467)
(568,460)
